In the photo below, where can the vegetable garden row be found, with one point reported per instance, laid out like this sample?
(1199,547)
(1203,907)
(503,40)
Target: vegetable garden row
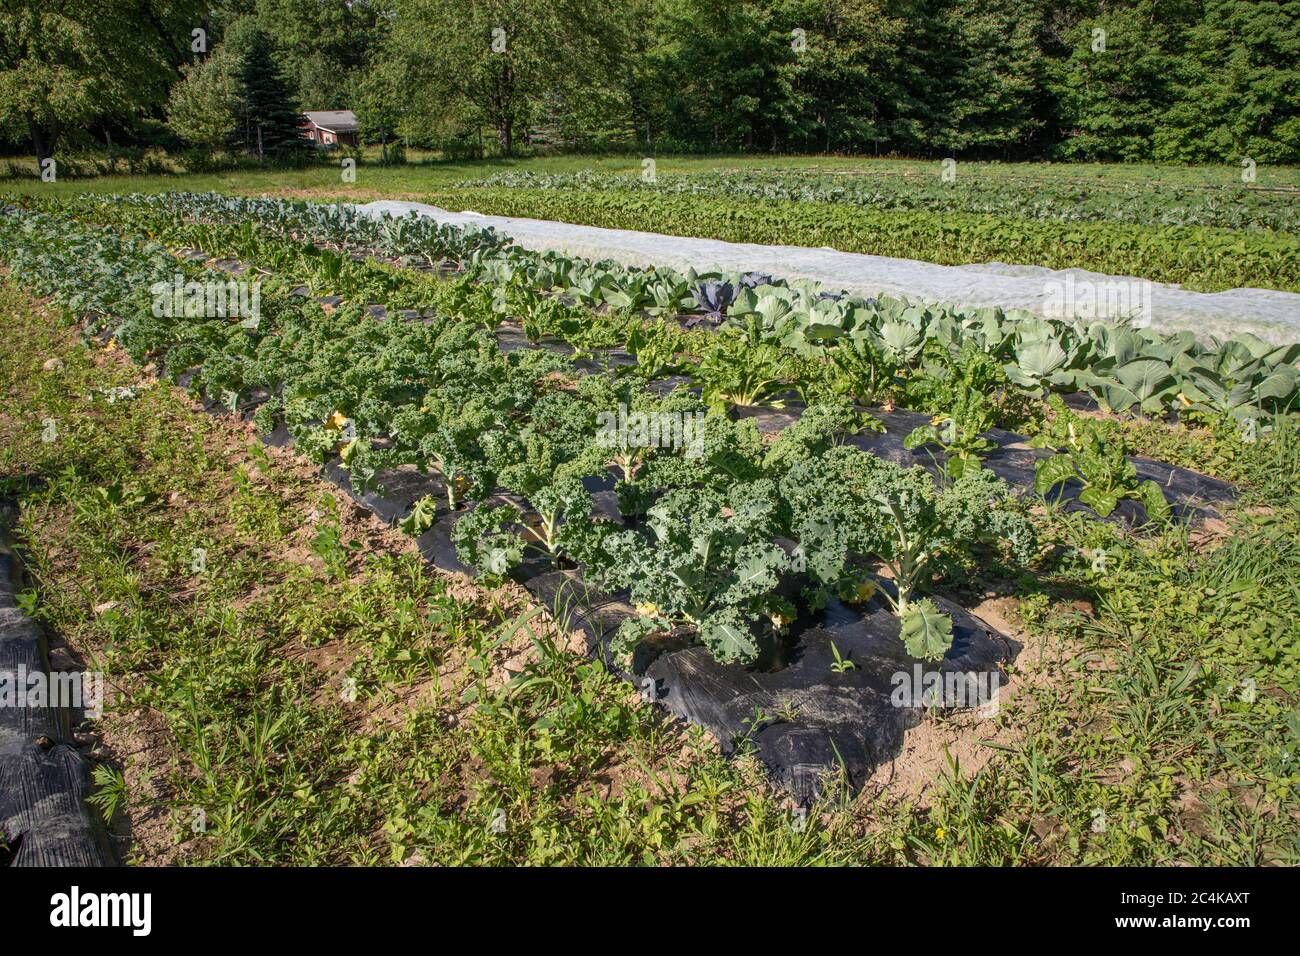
(1049,200)
(868,344)
(1200,258)
(623,451)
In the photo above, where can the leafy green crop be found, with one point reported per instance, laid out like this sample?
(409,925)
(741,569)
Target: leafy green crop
(485,540)
(720,524)
(1097,459)
(703,560)
(1207,258)
(876,344)
(848,507)
(734,372)
(1164,203)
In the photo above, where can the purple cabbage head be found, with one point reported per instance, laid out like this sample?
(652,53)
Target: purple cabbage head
(713,296)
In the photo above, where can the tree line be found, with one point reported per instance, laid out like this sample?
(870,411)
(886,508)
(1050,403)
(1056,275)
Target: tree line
(1128,80)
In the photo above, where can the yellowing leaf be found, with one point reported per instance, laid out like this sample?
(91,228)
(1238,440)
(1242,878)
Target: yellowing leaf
(863,593)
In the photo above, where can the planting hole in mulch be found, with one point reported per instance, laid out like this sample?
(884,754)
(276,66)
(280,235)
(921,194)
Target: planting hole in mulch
(840,703)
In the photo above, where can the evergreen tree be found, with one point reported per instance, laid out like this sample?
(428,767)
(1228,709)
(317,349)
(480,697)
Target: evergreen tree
(268,117)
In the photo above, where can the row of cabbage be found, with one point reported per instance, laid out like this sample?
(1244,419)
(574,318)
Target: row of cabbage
(1123,367)
(1045,199)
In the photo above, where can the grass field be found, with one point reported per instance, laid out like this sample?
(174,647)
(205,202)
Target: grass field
(431,173)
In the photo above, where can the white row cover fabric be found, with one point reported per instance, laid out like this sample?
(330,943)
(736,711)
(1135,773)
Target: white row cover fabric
(1273,316)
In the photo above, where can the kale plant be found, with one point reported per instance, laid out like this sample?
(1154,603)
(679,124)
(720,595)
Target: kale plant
(703,560)
(846,505)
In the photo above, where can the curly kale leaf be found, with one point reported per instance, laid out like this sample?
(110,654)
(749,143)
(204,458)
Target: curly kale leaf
(702,559)
(564,514)
(830,521)
(926,631)
(847,504)
(819,428)
(555,442)
(708,451)
(485,540)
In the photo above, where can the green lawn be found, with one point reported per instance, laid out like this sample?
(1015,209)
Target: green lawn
(436,174)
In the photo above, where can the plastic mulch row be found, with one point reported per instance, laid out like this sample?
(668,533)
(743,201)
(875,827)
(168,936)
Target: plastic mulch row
(807,719)
(44,779)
